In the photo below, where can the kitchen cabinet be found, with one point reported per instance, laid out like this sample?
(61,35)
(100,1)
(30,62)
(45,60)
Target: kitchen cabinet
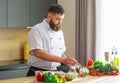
(13,69)
(13,73)
(18,13)
(23,13)
(39,10)
(3,13)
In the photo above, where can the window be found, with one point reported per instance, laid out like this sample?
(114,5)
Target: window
(108,27)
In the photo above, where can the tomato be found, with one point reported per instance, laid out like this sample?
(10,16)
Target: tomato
(96,73)
(115,72)
(39,76)
(91,71)
(100,73)
(110,73)
(103,73)
(89,62)
(93,74)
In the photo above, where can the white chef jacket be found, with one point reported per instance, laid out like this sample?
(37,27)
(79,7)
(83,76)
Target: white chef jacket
(41,36)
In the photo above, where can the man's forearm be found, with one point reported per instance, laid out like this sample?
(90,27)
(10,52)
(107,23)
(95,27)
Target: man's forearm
(47,56)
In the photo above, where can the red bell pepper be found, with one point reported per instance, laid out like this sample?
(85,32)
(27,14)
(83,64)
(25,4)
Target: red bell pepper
(39,76)
(89,62)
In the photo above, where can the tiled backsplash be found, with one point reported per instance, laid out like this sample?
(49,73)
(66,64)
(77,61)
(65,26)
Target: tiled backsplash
(11,43)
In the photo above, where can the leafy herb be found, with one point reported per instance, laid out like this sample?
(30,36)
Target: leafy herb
(100,67)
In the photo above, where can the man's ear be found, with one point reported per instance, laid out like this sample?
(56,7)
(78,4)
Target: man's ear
(49,15)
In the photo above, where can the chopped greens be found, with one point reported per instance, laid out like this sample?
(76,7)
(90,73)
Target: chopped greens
(100,67)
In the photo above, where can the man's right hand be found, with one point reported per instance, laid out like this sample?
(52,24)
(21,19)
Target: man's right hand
(69,61)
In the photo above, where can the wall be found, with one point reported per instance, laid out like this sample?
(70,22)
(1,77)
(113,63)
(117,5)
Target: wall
(11,43)
(69,25)
(12,39)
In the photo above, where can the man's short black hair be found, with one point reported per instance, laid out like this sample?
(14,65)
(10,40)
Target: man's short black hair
(56,8)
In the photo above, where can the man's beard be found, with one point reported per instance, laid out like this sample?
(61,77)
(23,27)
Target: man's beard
(53,26)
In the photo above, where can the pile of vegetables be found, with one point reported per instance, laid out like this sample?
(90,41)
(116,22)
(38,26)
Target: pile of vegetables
(48,77)
(97,68)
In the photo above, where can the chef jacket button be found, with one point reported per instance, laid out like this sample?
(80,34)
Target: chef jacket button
(60,38)
(51,38)
(60,48)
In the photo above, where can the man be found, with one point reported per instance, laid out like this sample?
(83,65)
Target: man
(47,44)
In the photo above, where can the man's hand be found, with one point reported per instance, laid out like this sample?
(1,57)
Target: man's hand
(70,61)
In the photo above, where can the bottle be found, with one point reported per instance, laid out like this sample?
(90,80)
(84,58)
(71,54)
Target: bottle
(26,51)
(112,57)
(116,59)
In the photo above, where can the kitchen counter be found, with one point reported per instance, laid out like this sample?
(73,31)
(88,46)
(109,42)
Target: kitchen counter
(13,64)
(13,69)
(87,79)
(18,65)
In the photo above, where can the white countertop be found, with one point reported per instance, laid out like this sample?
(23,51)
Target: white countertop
(87,79)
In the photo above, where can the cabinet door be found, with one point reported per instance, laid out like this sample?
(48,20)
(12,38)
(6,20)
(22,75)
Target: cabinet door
(18,13)
(39,10)
(7,74)
(3,13)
